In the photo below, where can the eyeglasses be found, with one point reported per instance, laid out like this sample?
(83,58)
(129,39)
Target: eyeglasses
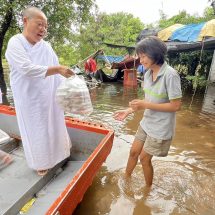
(42,25)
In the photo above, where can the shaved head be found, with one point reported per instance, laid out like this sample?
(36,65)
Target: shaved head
(35,24)
(32,12)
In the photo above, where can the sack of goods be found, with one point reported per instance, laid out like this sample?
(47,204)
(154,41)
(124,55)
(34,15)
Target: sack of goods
(73,96)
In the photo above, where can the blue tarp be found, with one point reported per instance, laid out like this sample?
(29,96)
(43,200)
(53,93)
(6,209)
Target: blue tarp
(187,33)
(110,59)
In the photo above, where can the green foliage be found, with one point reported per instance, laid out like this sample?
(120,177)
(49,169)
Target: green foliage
(184,18)
(194,66)
(62,16)
(192,59)
(197,81)
(67,54)
(117,28)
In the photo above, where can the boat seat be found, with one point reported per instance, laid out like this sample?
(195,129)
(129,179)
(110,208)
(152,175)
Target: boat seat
(7,143)
(18,183)
(4,137)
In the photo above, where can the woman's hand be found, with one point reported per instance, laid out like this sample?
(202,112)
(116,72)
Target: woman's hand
(137,104)
(122,114)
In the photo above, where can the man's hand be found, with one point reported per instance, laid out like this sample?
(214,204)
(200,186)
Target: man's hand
(62,70)
(122,114)
(65,71)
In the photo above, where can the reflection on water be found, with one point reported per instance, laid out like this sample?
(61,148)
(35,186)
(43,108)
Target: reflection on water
(184,182)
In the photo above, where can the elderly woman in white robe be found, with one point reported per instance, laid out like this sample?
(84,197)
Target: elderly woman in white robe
(34,77)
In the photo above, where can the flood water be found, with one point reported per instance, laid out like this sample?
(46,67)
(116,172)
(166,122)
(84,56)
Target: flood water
(184,181)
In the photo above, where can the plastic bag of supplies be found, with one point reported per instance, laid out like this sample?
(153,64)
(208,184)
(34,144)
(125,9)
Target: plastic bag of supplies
(73,96)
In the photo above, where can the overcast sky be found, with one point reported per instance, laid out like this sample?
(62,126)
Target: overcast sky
(148,11)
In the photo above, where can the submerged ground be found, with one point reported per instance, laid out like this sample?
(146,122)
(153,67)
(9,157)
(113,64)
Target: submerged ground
(184,182)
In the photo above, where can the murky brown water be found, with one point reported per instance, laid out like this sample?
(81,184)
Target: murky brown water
(184,182)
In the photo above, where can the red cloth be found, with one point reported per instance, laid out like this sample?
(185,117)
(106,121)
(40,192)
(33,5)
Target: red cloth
(90,65)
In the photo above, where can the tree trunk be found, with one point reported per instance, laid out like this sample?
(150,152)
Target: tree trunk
(2,81)
(4,27)
(213,5)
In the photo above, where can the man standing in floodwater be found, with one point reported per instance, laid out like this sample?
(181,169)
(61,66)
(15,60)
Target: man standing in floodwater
(162,87)
(35,74)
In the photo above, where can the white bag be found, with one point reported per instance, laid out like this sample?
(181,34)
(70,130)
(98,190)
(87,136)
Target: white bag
(73,96)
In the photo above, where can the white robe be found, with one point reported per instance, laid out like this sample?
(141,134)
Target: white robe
(40,119)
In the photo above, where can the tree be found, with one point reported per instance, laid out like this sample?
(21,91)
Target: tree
(184,18)
(62,15)
(213,5)
(6,15)
(117,28)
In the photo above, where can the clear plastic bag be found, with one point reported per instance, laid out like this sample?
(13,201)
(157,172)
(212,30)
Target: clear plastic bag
(73,96)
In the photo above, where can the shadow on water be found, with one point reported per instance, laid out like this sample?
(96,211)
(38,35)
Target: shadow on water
(184,181)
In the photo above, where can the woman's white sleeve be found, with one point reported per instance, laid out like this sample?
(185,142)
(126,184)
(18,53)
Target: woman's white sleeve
(19,60)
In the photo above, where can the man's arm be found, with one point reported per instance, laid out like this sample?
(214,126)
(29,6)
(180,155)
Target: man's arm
(18,58)
(62,70)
